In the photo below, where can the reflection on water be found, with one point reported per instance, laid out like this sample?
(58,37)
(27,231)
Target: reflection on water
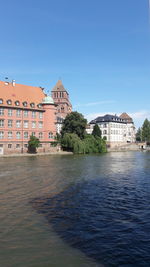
(92,210)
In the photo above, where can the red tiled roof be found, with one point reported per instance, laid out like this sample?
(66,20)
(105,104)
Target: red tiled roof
(20,92)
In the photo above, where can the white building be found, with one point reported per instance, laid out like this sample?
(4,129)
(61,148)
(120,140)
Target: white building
(116,130)
(59,123)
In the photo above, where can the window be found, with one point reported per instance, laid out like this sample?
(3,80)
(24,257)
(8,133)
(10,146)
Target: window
(1,111)
(39,105)
(33,133)
(18,113)
(17,145)
(9,112)
(25,113)
(33,114)
(40,115)
(9,102)
(26,124)
(1,101)
(9,145)
(32,105)
(17,103)
(1,123)
(18,124)
(1,135)
(25,145)
(40,124)
(18,135)
(9,135)
(10,123)
(25,104)
(33,124)
(25,135)
(105,132)
(50,135)
(40,145)
(40,135)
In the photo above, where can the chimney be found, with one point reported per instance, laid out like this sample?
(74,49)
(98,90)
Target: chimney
(13,82)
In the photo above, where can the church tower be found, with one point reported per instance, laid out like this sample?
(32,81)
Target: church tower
(61,99)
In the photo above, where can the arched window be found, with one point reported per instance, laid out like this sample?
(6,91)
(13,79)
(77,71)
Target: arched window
(39,105)
(9,102)
(32,105)
(25,104)
(1,101)
(17,103)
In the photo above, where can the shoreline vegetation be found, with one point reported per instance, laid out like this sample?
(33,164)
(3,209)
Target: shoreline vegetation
(74,138)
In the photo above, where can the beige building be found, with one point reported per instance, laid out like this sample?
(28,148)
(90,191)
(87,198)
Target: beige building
(116,130)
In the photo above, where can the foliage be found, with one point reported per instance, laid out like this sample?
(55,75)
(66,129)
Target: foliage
(58,137)
(33,144)
(54,143)
(96,131)
(74,123)
(139,135)
(146,131)
(89,144)
(75,139)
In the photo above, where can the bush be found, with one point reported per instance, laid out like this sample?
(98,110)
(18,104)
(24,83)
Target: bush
(33,144)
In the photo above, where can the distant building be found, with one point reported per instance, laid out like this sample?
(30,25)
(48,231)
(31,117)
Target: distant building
(25,111)
(61,99)
(116,130)
(130,128)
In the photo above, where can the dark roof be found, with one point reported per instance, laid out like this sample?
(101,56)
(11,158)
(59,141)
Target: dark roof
(108,118)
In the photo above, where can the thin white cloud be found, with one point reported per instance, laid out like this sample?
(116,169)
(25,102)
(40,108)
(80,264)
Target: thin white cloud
(90,104)
(143,114)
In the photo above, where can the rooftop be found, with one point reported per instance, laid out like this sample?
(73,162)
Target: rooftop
(108,118)
(13,92)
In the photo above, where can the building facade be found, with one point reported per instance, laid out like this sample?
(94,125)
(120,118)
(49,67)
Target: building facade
(61,99)
(116,130)
(25,111)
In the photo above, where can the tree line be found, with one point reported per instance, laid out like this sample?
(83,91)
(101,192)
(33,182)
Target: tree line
(143,133)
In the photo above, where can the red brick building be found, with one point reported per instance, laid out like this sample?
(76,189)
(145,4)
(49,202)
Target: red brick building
(25,111)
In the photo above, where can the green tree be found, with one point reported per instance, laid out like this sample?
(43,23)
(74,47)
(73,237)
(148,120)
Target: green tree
(146,131)
(96,131)
(90,144)
(33,144)
(74,123)
(139,135)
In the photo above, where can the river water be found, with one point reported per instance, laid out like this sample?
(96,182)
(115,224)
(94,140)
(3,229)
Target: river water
(75,210)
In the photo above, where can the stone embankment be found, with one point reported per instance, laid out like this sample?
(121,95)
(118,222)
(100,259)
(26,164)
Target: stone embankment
(36,154)
(129,147)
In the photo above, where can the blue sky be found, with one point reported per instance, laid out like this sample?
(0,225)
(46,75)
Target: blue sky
(99,48)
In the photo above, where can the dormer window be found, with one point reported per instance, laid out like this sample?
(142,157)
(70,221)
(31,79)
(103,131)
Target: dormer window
(1,101)
(32,105)
(39,105)
(25,104)
(17,103)
(9,102)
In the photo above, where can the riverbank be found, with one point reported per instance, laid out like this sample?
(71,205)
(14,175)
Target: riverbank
(37,154)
